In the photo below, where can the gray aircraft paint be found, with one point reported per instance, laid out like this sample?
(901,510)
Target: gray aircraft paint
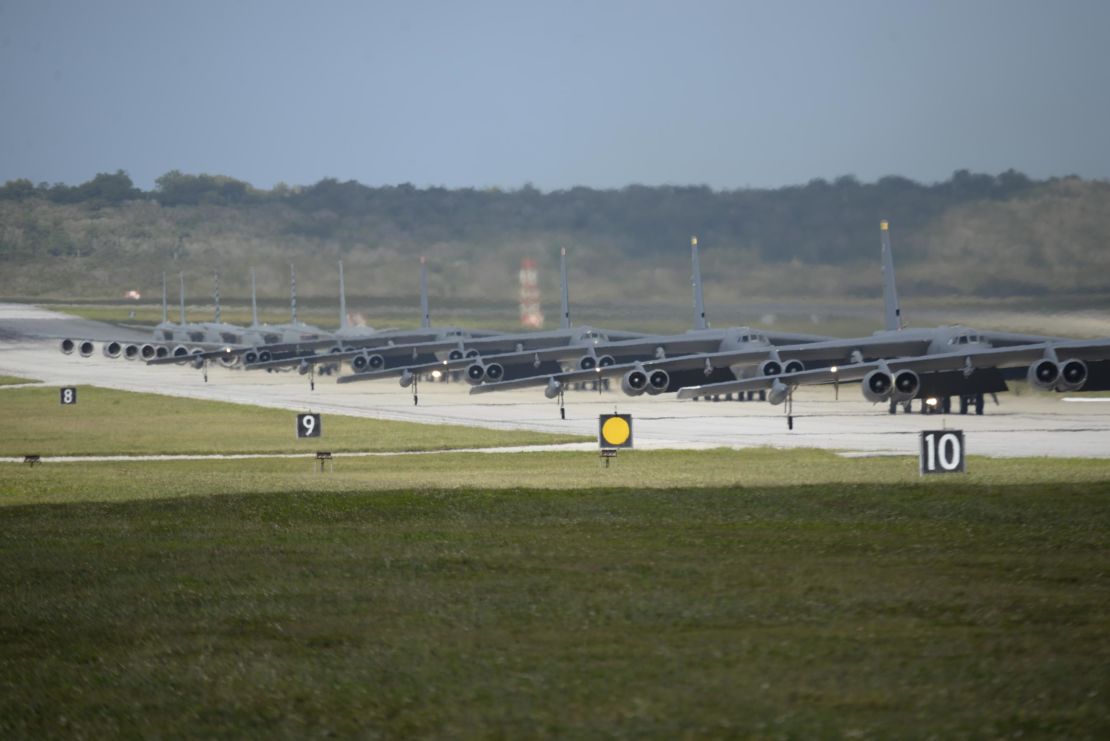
(700,322)
(892,311)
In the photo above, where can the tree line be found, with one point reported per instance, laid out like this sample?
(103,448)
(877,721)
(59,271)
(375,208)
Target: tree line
(829,222)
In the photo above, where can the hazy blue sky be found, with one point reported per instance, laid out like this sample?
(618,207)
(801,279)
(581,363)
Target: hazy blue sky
(555,93)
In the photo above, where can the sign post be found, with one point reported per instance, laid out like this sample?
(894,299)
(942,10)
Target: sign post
(614,431)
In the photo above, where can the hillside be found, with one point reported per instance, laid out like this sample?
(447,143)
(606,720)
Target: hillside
(1004,236)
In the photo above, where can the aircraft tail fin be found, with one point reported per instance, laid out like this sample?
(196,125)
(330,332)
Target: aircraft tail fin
(892,310)
(216,293)
(181,294)
(342,299)
(425,316)
(700,322)
(165,307)
(293,293)
(564,317)
(254,303)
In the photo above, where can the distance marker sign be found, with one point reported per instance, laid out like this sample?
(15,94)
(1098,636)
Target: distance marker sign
(614,431)
(308,425)
(68,395)
(942,451)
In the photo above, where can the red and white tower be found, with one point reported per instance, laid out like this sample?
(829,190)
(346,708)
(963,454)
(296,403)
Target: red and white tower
(530,314)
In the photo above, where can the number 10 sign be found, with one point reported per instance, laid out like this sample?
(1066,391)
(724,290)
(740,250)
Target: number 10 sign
(942,451)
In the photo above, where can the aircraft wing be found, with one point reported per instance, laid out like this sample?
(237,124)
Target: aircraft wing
(968,360)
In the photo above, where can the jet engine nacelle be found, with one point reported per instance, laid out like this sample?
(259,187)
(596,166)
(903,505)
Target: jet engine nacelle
(250,357)
(130,352)
(67,346)
(877,385)
(455,354)
(112,349)
(475,372)
(793,366)
(495,372)
(906,385)
(148,352)
(770,368)
(779,392)
(634,382)
(161,351)
(605,361)
(180,351)
(587,362)
(367,362)
(553,388)
(1073,374)
(1043,374)
(86,348)
(658,380)
(406,378)
(229,359)
(264,356)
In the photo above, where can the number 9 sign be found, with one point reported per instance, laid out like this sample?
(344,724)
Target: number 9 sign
(308,425)
(942,451)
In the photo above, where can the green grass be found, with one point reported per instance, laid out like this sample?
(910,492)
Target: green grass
(13,380)
(107,422)
(920,609)
(635,470)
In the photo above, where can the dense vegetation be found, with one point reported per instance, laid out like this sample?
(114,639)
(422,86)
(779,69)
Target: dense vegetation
(974,233)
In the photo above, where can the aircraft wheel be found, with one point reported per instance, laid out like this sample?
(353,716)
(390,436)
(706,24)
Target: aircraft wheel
(979,404)
(946,405)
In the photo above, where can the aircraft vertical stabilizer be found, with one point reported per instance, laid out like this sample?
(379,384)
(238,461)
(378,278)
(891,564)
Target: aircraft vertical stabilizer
(293,293)
(216,294)
(165,307)
(181,293)
(700,321)
(892,310)
(342,299)
(425,316)
(564,317)
(254,303)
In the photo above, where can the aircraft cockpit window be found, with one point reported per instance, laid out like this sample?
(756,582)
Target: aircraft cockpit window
(745,338)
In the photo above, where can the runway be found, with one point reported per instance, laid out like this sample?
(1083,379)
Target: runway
(1027,425)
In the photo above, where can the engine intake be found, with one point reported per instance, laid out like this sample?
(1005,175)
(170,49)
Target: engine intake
(1043,374)
(877,385)
(793,366)
(475,372)
(770,368)
(1073,374)
(658,381)
(86,348)
(366,361)
(634,382)
(495,372)
(112,349)
(587,362)
(67,346)
(130,352)
(906,385)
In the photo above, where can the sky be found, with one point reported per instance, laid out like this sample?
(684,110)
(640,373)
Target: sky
(603,94)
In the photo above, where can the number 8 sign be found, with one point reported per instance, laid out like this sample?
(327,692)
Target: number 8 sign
(68,395)
(942,451)
(308,425)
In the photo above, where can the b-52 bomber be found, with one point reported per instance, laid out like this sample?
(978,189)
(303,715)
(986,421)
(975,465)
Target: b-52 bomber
(451,352)
(755,368)
(595,357)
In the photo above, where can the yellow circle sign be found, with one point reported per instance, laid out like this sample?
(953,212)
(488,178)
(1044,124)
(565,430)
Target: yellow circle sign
(616,431)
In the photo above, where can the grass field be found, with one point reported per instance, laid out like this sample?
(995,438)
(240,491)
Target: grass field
(675,594)
(106,422)
(13,380)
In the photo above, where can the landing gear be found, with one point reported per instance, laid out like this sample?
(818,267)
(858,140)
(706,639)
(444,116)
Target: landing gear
(562,404)
(971,400)
(415,385)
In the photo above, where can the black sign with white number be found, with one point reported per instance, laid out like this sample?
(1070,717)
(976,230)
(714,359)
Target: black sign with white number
(942,451)
(68,395)
(308,425)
